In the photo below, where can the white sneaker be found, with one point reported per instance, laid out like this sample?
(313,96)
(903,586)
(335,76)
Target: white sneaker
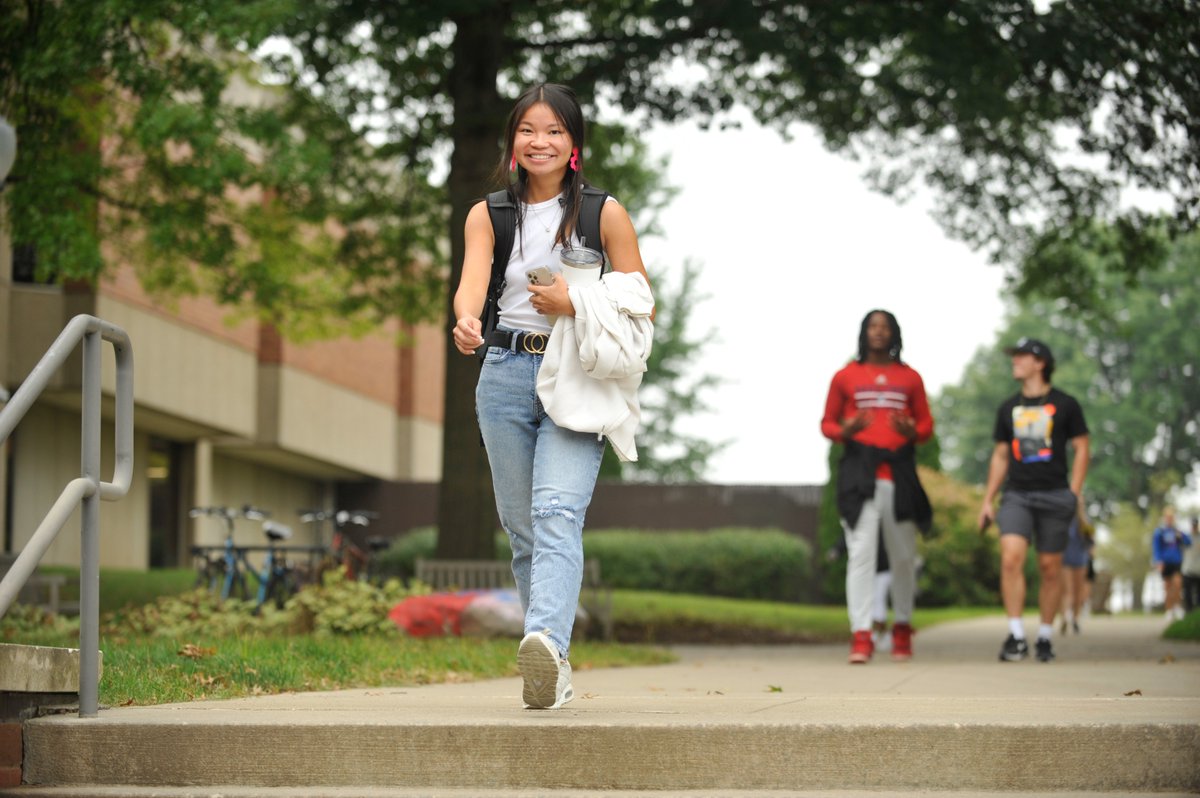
(547,675)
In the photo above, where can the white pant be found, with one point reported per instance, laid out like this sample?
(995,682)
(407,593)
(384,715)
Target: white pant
(900,540)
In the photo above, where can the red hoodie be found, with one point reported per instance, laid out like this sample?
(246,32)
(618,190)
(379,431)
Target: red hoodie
(881,391)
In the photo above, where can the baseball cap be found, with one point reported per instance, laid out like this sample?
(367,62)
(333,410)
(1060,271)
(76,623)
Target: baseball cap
(1031,346)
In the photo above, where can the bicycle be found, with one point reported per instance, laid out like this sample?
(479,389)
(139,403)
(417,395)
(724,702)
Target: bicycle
(343,551)
(224,573)
(219,572)
(277,579)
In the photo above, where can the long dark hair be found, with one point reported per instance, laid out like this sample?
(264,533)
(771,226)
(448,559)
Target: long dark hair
(565,105)
(897,341)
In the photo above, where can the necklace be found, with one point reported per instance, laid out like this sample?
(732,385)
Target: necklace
(538,218)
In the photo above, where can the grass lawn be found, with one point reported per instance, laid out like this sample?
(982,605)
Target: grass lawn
(120,588)
(147,668)
(675,617)
(155,670)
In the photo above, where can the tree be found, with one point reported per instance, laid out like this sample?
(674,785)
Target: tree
(971,98)
(673,388)
(128,136)
(1131,356)
(1126,550)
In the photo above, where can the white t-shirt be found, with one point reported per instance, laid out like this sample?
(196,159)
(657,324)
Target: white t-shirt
(537,249)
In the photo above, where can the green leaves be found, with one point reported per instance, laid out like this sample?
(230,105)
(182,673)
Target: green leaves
(1124,346)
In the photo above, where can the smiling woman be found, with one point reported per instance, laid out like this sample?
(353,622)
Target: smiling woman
(544,465)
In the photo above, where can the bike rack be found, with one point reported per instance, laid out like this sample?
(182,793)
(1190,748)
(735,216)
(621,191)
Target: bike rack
(88,490)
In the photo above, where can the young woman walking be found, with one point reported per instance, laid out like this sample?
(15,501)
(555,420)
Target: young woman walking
(543,474)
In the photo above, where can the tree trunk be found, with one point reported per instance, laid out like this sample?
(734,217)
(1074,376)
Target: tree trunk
(466,507)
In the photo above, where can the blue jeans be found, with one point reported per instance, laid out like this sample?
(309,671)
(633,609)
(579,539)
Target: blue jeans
(543,477)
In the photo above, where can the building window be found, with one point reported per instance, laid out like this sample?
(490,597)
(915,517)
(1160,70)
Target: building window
(24,264)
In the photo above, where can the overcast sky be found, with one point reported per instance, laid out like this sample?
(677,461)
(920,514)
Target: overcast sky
(795,249)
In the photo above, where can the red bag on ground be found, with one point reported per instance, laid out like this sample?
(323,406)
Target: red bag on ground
(434,615)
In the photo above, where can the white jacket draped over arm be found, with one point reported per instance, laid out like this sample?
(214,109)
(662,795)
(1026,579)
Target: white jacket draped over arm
(594,361)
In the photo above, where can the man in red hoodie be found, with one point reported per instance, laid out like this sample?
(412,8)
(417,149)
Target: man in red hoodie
(877,408)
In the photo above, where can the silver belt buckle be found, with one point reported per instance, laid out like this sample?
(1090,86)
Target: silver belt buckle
(535,343)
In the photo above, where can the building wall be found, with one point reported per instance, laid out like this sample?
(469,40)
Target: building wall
(45,457)
(258,419)
(237,483)
(301,413)
(183,371)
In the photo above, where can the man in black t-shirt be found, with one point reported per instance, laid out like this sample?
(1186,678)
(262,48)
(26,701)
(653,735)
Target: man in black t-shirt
(1033,429)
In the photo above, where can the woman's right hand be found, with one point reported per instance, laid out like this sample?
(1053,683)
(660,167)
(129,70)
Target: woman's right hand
(467,335)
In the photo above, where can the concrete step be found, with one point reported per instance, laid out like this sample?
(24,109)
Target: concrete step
(1118,713)
(574,751)
(123,791)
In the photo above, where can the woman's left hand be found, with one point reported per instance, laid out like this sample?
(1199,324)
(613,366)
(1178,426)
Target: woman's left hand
(552,300)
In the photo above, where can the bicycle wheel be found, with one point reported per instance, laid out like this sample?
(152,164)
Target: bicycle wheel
(282,587)
(240,589)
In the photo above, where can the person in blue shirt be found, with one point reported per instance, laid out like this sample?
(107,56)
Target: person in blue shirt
(1167,545)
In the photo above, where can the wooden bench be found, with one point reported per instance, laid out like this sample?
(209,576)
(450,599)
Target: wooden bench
(595,596)
(41,590)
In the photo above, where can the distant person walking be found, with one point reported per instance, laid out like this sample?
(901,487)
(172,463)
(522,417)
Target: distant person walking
(1167,546)
(1076,558)
(877,408)
(1191,570)
(1032,432)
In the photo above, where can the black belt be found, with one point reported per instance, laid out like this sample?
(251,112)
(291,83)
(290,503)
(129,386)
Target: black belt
(533,343)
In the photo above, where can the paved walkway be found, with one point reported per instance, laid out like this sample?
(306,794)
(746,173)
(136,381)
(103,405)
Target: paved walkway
(1118,668)
(1102,717)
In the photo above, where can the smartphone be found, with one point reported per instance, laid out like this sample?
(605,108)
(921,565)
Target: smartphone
(540,275)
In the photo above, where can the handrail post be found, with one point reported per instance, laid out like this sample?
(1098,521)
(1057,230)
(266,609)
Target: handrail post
(89,572)
(87,490)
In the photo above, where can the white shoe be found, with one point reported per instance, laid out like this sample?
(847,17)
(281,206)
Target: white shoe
(547,675)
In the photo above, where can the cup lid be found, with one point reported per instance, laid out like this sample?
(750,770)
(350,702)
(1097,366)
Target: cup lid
(581,257)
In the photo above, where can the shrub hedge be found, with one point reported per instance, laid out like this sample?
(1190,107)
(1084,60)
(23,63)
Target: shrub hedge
(740,563)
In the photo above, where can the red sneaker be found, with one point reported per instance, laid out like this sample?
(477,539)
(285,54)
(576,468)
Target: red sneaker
(902,641)
(861,648)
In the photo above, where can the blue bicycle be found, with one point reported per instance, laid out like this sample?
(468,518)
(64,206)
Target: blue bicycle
(277,579)
(217,568)
(222,569)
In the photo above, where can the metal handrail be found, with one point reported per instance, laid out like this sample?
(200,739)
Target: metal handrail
(88,490)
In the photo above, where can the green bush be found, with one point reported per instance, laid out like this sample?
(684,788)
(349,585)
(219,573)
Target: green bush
(740,563)
(336,606)
(1186,628)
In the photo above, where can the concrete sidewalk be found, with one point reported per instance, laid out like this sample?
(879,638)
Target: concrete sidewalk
(1119,668)
(1119,710)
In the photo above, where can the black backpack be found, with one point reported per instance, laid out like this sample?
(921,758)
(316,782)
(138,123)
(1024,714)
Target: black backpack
(504,229)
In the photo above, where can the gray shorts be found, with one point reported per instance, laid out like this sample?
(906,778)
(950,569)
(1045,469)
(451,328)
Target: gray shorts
(1040,516)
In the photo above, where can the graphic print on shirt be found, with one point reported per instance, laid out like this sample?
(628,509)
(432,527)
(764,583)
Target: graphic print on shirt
(1032,430)
(880,396)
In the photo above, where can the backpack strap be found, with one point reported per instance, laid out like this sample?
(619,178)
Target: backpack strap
(503,214)
(589,222)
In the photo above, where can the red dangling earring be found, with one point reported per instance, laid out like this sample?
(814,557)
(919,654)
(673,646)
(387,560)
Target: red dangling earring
(512,166)
(575,159)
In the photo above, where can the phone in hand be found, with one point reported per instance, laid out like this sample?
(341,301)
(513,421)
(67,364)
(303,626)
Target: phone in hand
(540,275)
